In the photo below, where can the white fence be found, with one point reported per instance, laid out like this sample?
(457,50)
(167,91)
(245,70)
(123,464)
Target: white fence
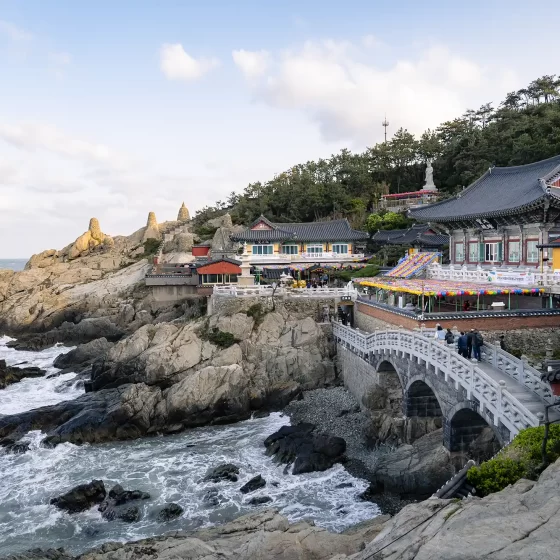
(306,257)
(231,290)
(492,395)
(479,274)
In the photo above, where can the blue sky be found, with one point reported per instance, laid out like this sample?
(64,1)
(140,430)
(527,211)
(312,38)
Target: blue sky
(113,109)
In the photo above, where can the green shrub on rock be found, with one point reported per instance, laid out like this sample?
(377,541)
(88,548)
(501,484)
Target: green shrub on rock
(495,475)
(522,459)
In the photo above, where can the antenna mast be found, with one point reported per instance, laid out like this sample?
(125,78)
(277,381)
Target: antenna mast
(385,124)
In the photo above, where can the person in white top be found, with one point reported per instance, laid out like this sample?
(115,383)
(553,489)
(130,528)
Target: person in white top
(439,333)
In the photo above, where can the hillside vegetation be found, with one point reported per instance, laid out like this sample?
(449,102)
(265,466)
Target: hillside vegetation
(523,128)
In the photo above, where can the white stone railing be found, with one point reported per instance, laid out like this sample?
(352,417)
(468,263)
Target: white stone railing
(546,277)
(493,396)
(310,257)
(231,290)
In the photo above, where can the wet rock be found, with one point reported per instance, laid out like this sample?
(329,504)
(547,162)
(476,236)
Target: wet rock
(259,500)
(117,505)
(211,498)
(226,471)
(169,512)
(307,450)
(11,374)
(70,333)
(344,485)
(253,484)
(84,354)
(15,447)
(81,497)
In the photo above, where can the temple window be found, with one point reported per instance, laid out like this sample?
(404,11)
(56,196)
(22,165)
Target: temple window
(290,249)
(340,248)
(532,252)
(492,252)
(513,251)
(459,252)
(263,249)
(315,249)
(473,252)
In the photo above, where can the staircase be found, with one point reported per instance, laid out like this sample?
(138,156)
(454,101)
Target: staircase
(412,265)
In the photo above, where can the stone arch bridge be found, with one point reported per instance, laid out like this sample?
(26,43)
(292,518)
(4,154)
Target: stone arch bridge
(502,391)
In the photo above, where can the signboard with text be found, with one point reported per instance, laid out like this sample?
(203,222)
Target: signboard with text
(511,278)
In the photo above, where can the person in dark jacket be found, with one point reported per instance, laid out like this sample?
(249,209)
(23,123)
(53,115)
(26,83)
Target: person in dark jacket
(478,341)
(502,343)
(449,337)
(470,343)
(462,345)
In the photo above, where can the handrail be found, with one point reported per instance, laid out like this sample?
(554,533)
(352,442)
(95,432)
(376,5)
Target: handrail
(493,396)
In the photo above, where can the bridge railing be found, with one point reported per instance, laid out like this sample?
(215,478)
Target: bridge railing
(492,395)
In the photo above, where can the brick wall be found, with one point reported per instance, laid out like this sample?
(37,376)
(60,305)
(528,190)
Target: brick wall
(482,323)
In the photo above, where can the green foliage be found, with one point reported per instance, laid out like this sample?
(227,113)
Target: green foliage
(221,338)
(495,475)
(523,129)
(257,312)
(205,232)
(521,459)
(387,220)
(151,246)
(347,275)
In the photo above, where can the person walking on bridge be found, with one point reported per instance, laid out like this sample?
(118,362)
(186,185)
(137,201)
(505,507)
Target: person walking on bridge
(477,345)
(462,344)
(439,333)
(470,343)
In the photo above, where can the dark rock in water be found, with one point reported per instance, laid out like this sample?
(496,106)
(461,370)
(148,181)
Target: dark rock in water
(81,497)
(10,374)
(226,471)
(15,447)
(213,498)
(83,355)
(259,500)
(307,450)
(169,512)
(117,505)
(253,484)
(344,485)
(72,333)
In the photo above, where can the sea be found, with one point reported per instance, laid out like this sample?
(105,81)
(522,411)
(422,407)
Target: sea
(13,264)
(169,468)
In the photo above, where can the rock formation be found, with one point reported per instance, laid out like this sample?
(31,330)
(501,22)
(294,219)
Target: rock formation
(89,240)
(152,229)
(9,375)
(183,215)
(168,377)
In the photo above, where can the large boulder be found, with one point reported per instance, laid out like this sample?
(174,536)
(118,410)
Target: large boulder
(10,374)
(169,512)
(226,471)
(307,450)
(418,469)
(81,497)
(256,483)
(84,354)
(89,240)
(122,504)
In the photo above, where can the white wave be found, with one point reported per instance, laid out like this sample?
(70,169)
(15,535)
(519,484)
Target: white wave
(34,392)
(171,469)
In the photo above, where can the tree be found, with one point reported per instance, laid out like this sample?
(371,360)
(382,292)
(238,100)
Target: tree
(374,223)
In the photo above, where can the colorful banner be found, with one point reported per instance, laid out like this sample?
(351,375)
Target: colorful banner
(513,278)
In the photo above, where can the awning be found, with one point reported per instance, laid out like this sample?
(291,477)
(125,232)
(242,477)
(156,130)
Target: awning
(432,287)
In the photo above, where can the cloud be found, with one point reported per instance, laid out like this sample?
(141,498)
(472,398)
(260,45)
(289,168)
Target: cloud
(346,88)
(13,32)
(251,63)
(177,64)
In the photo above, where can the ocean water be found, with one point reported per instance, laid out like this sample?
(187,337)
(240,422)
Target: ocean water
(170,468)
(13,264)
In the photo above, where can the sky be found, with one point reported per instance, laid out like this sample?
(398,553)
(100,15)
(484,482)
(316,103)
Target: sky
(113,108)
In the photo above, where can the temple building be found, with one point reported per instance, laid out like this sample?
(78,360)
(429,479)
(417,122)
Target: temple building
(419,237)
(504,219)
(278,243)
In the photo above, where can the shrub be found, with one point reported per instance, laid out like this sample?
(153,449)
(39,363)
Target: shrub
(495,475)
(257,312)
(216,336)
(521,459)
(150,246)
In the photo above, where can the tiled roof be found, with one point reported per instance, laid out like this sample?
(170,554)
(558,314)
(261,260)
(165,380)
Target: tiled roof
(418,234)
(500,191)
(335,230)
(221,259)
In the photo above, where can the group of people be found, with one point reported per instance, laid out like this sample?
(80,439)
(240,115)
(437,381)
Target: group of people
(468,344)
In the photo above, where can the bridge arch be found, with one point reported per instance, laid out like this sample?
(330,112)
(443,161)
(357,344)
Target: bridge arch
(470,432)
(392,384)
(421,398)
